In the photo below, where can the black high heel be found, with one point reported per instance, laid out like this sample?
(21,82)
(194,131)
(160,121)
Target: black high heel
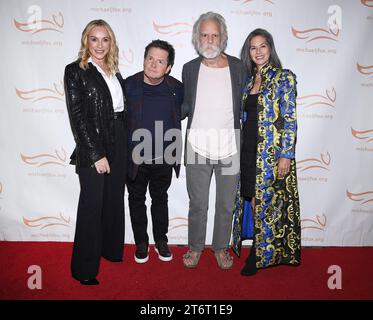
(89,282)
(250,265)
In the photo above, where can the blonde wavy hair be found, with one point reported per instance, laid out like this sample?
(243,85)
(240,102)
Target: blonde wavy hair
(111,58)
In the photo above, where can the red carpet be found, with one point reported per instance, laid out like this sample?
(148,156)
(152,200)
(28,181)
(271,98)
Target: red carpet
(157,280)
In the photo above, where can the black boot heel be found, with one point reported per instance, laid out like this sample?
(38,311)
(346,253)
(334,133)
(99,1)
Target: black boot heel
(250,266)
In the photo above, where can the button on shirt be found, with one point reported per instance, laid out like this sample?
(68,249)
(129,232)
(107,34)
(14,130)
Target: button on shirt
(114,87)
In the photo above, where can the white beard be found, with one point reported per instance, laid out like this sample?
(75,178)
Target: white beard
(209,51)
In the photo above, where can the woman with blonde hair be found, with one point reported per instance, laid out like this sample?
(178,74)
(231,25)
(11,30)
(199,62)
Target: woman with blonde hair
(95,101)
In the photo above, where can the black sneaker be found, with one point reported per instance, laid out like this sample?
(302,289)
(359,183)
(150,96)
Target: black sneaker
(163,251)
(141,254)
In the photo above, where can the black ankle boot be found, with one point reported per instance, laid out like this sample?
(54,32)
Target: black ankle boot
(250,265)
(89,282)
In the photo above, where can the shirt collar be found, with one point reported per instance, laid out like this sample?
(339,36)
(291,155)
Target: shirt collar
(98,67)
(265,69)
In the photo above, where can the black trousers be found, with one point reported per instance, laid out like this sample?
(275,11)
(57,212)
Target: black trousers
(158,177)
(100,218)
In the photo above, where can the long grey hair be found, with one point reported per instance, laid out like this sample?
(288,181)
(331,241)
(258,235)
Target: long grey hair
(223,30)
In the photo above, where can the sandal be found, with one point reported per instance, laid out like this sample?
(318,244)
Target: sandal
(191,259)
(224,259)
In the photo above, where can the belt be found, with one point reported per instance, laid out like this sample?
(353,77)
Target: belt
(118,115)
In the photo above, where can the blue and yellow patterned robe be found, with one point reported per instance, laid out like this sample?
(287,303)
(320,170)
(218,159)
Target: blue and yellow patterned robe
(277,213)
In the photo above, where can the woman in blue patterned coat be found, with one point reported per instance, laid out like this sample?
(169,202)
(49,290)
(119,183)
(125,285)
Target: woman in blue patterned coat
(267,207)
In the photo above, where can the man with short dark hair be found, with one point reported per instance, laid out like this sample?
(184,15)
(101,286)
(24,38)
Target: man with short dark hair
(154,108)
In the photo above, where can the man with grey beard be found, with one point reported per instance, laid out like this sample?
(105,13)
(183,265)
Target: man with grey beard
(213,85)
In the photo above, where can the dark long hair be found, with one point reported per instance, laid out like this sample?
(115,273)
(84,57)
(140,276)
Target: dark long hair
(274,60)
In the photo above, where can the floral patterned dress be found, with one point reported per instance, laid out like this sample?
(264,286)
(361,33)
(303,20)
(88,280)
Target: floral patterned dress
(276,216)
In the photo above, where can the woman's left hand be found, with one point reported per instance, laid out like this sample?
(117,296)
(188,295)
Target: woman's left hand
(283,167)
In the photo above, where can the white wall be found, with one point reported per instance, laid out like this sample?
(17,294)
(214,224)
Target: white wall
(39,190)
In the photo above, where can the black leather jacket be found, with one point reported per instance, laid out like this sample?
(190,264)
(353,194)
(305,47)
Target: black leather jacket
(91,113)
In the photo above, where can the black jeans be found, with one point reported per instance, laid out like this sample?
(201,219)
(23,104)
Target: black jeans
(100,218)
(158,177)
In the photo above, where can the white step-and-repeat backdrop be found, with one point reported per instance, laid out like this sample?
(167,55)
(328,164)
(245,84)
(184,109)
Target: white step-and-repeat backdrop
(327,43)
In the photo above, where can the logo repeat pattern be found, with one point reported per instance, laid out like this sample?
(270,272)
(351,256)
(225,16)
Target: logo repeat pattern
(318,99)
(318,223)
(47,221)
(368,3)
(315,34)
(177,222)
(366,135)
(362,197)
(326,98)
(126,57)
(312,163)
(173,29)
(250,1)
(365,70)
(39,160)
(56,93)
(56,24)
